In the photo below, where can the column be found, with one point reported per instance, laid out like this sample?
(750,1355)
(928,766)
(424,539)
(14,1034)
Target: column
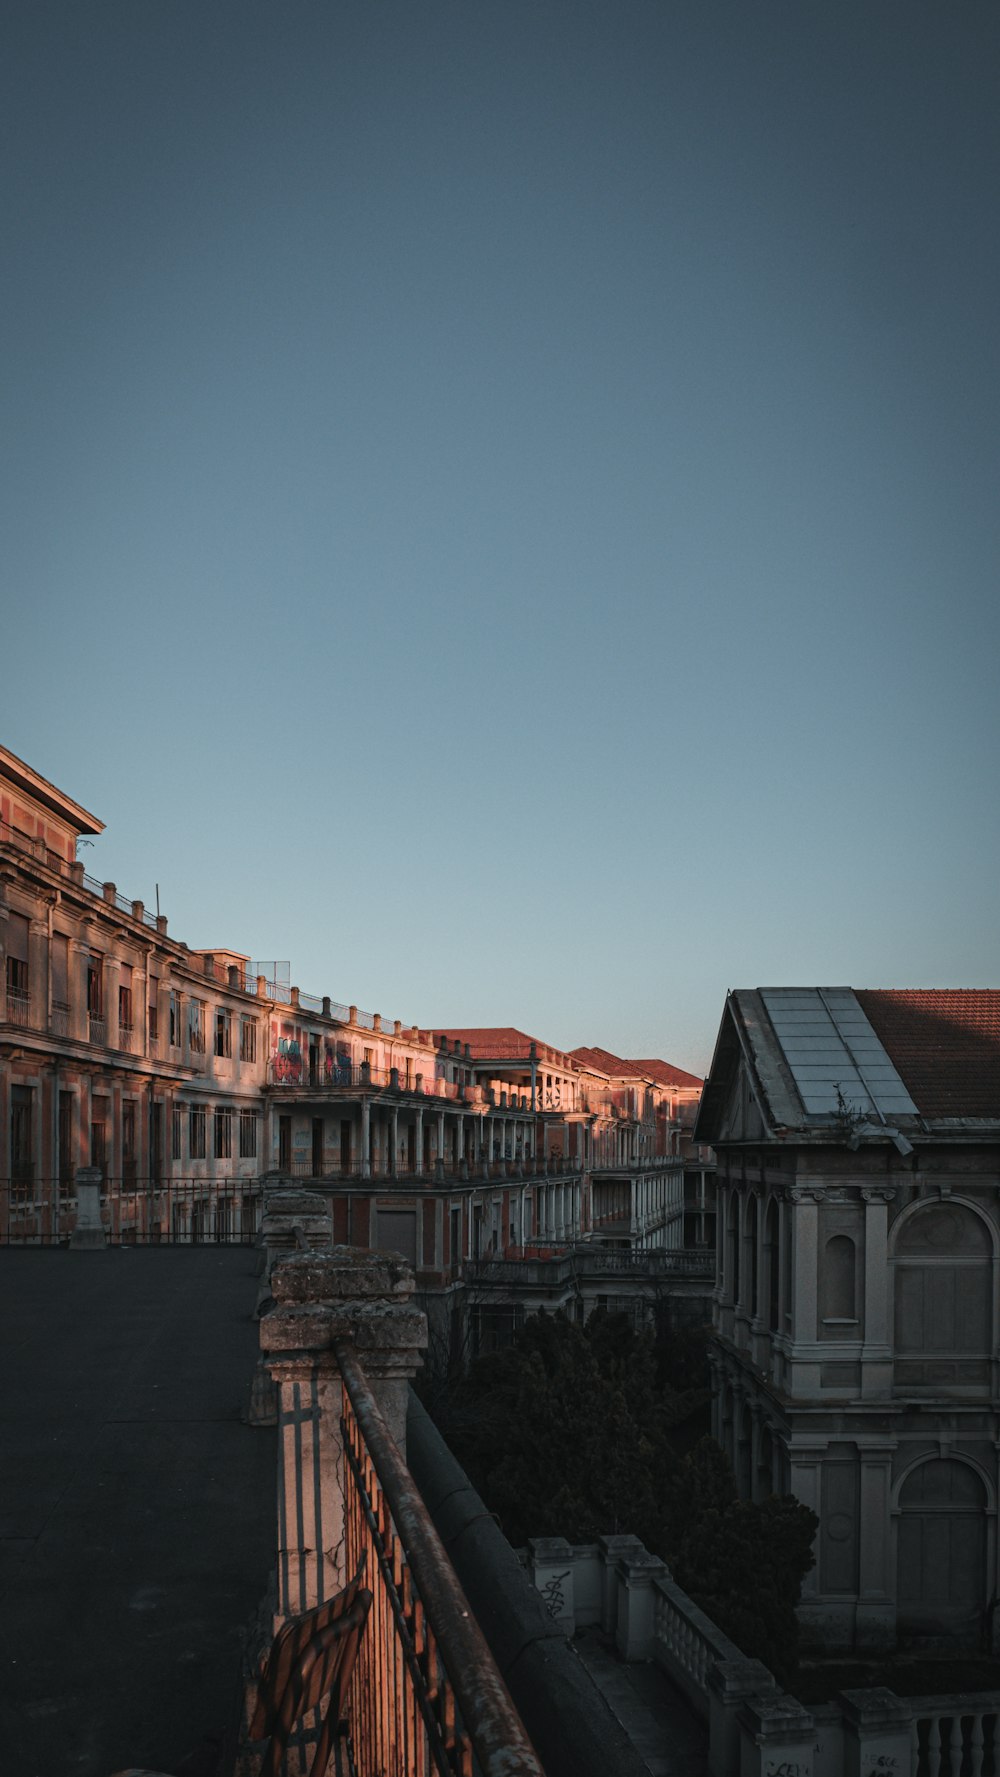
(111,1001)
(366,1124)
(38,974)
(876,1352)
(805,1461)
(320,1298)
(79,957)
(876,1608)
(394,1138)
(420,1139)
(804,1371)
(440,1138)
(460,1137)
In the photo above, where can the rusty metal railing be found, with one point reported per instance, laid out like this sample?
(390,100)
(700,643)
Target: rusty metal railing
(426,1695)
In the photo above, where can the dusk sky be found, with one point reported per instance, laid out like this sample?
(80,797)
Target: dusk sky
(500,501)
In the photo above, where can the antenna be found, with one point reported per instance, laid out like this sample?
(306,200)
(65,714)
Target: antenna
(157,900)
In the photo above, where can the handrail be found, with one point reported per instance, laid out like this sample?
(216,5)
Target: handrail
(489,1716)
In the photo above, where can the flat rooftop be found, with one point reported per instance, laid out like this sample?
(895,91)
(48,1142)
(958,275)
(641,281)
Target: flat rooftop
(137,1508)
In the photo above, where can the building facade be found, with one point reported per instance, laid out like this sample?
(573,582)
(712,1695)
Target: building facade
(856,1308)
(185,1077)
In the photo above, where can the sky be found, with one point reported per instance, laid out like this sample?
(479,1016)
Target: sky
(499,502)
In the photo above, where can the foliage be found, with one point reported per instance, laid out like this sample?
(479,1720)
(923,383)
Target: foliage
(580,1431)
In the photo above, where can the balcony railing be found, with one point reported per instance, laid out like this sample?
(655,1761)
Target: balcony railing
(426,1695)
(59,1019)
(471,1169)
(293,1072)
(125,1038)
(134,1211)
(97,1027)
(18,1009)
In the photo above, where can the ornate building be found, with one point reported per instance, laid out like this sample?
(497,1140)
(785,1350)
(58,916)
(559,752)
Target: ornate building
(856,1311)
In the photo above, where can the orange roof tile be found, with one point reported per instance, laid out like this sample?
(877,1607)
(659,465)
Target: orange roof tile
(944,1043)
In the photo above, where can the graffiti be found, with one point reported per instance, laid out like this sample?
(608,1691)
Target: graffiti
(788,1767)
(553,1594)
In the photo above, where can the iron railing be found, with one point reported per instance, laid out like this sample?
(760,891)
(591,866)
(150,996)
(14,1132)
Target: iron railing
(19,1009)
(426,1695)
(134,1211)
(294,1071)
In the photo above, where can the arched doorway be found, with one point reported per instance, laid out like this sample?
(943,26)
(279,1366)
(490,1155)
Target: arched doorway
(941,1554)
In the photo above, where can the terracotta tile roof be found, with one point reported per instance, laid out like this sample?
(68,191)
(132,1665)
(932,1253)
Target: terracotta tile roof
(661,1071)
(944,1042)
(504,1041)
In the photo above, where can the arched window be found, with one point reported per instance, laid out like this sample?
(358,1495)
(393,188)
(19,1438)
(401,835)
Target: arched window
(943,1298)
(941,1553)
(838,1279)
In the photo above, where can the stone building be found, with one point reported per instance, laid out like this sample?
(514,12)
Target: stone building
(856,1306)
(186,1077)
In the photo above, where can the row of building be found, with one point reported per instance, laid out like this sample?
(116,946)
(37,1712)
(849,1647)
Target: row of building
(852,1140)
(187,1077)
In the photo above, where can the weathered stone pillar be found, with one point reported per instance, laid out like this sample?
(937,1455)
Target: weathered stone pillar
(320,1298)
(366,1128)
(731,1683)
(89,1231)
(634,1633)
(776,1735)
(876,1732)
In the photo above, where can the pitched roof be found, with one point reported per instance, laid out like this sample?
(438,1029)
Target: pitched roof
(496,1042)
(661,1071)
(944,1042)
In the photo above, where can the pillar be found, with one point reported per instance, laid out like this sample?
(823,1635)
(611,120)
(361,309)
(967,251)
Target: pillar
(420,1139)
(366,1149)
(364,1301)
(876,1352)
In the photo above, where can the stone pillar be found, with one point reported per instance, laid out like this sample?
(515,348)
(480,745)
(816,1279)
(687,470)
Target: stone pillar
(634,1634)
(88,1235)
(876,1352)
(394,1138)
(420,1139)
(551,1571)
(79,957)
(362,1299)
(875,1630)
(366,1149)
(776,1735)
(805,1476)
(614,1549)
(731,1683)
(440,1136)
(876,1732)
(38,974)
(111,979)
(460,1137)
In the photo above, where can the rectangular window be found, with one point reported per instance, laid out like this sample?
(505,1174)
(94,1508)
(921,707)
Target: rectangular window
(95,987)
(125,1016)
(196,1026)
(17,968)
(248,1039)
(65,1142)
(223,1033)
(60,972)
(99,1132)
(129,1163)
(223,1132)
(175,1133)
(22,1153)
(154,1026)
(248,1135)
(175,1028)
(196,1132)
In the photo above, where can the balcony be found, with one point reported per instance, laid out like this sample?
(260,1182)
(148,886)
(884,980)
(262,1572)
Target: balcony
(19,1009)
(418,1688)
(97,1027)
(293,1073)
(126,1038)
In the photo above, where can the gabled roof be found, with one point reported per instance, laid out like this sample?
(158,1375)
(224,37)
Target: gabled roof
(828,1060)
(504,1042)
(945,1043)
(661,1071)
(32,784)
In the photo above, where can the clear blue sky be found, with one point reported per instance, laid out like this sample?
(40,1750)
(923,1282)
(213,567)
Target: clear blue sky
(500,501)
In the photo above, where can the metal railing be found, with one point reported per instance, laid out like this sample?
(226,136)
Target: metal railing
(473,1170)
(19,1009)
(134,1211)
(426,1695)
(295,1071)
(97,1027)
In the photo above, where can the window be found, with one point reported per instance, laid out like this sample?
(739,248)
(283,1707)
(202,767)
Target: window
(154,1027)
(22,1119)
(17,968)
(175,1133)
(248,1039)
(223,1132)
(125,1014)
(175,1037)
(65,1143)
(248,1135)
(196,1132)
(95,987)
(196,1026)
(128,1142)
(223,1033)
(99,1131)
